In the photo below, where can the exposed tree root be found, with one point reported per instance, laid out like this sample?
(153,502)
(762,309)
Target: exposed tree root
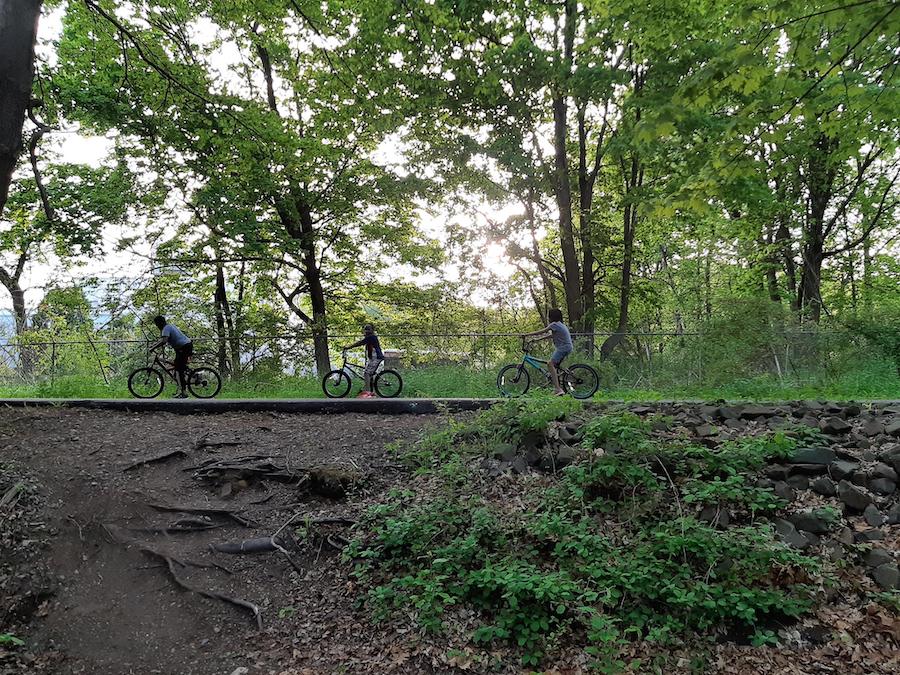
(156,458)
(204,510)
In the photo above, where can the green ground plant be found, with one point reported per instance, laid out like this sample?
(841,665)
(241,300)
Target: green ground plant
(609,551)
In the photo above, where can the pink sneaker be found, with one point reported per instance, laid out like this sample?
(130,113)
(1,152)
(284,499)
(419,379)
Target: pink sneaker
(365,394)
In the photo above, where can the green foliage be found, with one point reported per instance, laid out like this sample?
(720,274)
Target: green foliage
(10,640)
(604,553)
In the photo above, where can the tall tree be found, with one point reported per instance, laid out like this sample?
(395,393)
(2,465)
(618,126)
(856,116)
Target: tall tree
(18,32)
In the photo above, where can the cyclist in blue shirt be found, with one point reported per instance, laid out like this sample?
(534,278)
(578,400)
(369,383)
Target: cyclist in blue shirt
(374,357)
(181,344)
(562,343)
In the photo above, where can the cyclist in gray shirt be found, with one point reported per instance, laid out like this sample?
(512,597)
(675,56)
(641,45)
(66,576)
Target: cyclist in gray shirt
(562,343)
(181,344)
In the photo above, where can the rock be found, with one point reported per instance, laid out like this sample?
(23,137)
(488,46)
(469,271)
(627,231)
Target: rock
(834,426)
(841,469)
(788,534)
(571,433)
(532,440)
(715,516)
(798,482)
(812,456)
(851,410)
(890,452)
(808,469)
(845,536)
(708,411)
(811,537)
(882,486)
(887,576)
(873,516)
(332,481)
(818,521)
(824,486)
(564,457)
(852,496)
(491,467)
(877,557)
(752,411)
(893,515)
(859,479)
(728,413)
(784,491)
(833,550)
(867,536)
(810,421)
(777,472)
(882,470)
(532,457)
(868,456)
(706,430)
(872,428)
(734,424)
(504,452)
(519,465)
(776,422)
(892,428)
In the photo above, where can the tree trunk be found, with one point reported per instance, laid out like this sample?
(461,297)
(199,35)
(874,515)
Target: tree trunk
(811,280)
(633,178)
(220,301)
(298,223)
(820,184)
(235,322)
(18,31)
(563,188)
(313,276)
(586,181)
(866,290)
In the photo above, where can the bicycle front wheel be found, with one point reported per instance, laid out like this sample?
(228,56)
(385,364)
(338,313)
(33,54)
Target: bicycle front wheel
(513,380)
(145,383)
(336,384)
(204,382)
(581,381)
(388,384)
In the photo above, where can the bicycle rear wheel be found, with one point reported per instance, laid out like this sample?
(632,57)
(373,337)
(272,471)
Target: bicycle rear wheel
(145,383)
(581,381)
(204,382)
(513,380)
(336,384)
(388,384)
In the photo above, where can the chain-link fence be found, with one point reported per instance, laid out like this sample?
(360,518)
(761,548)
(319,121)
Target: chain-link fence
(641,360)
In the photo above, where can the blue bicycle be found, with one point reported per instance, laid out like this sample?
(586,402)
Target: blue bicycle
(579,379)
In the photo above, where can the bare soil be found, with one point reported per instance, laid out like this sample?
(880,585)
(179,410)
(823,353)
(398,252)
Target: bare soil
(87,599)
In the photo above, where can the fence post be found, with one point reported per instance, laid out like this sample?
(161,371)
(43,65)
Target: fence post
(53,362)
(485,340)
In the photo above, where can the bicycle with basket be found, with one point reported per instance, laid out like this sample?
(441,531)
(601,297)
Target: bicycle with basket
(387,383)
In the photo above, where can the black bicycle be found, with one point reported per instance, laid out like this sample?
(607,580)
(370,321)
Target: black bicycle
(579,379)
(337,383)
(148,382)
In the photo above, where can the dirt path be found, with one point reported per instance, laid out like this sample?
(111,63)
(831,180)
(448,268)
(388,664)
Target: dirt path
(116,609)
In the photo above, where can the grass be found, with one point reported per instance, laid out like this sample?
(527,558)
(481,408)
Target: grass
(866,380)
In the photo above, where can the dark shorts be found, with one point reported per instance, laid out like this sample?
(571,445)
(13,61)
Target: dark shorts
(559,354)
(182,354)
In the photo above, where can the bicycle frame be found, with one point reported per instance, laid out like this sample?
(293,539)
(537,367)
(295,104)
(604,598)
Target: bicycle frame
(168,367)
(354,370)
